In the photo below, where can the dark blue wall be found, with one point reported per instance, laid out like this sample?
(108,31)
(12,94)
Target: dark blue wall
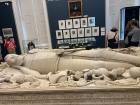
(58,10)
(7,21)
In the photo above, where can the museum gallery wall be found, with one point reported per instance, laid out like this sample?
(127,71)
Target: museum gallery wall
(79,27)
(7,26)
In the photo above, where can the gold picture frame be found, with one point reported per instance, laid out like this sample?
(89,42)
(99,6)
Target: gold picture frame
(75,8)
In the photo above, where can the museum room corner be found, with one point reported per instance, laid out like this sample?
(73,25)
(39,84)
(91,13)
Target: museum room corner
(69,52)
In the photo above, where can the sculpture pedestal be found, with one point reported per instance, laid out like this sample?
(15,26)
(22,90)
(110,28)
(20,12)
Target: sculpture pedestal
(73,96)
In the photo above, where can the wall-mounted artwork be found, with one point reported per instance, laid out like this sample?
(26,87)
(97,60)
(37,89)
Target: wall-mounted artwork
(76,23)
(66,33)
(84,22)
(91,21)
(95,31)
(87,32)
(75,8)
(73,33)
(81,32)
(69,24)
(61,24)
(7,32)
(59,34)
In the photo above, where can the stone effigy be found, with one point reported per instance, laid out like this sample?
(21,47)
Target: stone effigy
(76,67)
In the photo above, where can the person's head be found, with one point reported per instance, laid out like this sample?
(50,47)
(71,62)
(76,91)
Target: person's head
(134,23)
(114,29)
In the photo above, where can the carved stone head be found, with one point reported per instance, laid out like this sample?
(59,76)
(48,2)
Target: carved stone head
(14,59)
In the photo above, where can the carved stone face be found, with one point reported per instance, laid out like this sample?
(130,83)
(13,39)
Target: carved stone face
(14,60)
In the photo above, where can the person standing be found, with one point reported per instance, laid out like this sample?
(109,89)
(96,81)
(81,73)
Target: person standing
(112,38)
(133,36)
(10,45)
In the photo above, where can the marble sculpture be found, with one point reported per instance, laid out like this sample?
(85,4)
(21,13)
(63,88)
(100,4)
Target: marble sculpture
(43,68)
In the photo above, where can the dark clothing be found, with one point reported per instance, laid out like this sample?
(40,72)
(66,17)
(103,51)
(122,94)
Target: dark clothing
(133,37)
(31,45)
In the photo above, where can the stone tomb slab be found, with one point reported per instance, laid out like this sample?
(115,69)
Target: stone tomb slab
(71,96)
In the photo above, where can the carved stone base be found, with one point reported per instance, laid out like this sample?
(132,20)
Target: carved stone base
(110,96)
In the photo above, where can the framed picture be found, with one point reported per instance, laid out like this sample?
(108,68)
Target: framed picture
(91,21)
(76,23)
(84,22)
(95,31)
(81,32)
(7,32)
(73,33)
(69,24)
(66,33)
(59,34)
(75,8)
(61,24)
(87,32)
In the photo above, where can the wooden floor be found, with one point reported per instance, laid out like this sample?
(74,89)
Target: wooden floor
(71,96)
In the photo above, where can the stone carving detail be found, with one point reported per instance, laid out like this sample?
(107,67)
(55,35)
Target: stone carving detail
(71,68)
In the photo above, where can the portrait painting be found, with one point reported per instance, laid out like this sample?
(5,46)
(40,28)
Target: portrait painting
(95,31)
(66,33)
(76,23)
(59,34)
(87,32)
(75,8)
(91,21)
(73,33)
(61,24)
(83,22)
(69,24)
(81,32)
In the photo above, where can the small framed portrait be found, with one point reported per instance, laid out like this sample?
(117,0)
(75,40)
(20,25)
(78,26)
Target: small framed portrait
(91,21)
(81,32)
(84,22)
(61,24)
(59,34)
(73,33)
(69,24)
(66,33)
(75,8)
(7,32)
(87,32)
(76,23)
(95,31)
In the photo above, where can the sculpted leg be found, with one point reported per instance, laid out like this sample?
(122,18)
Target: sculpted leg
(81,64)
(107,55)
